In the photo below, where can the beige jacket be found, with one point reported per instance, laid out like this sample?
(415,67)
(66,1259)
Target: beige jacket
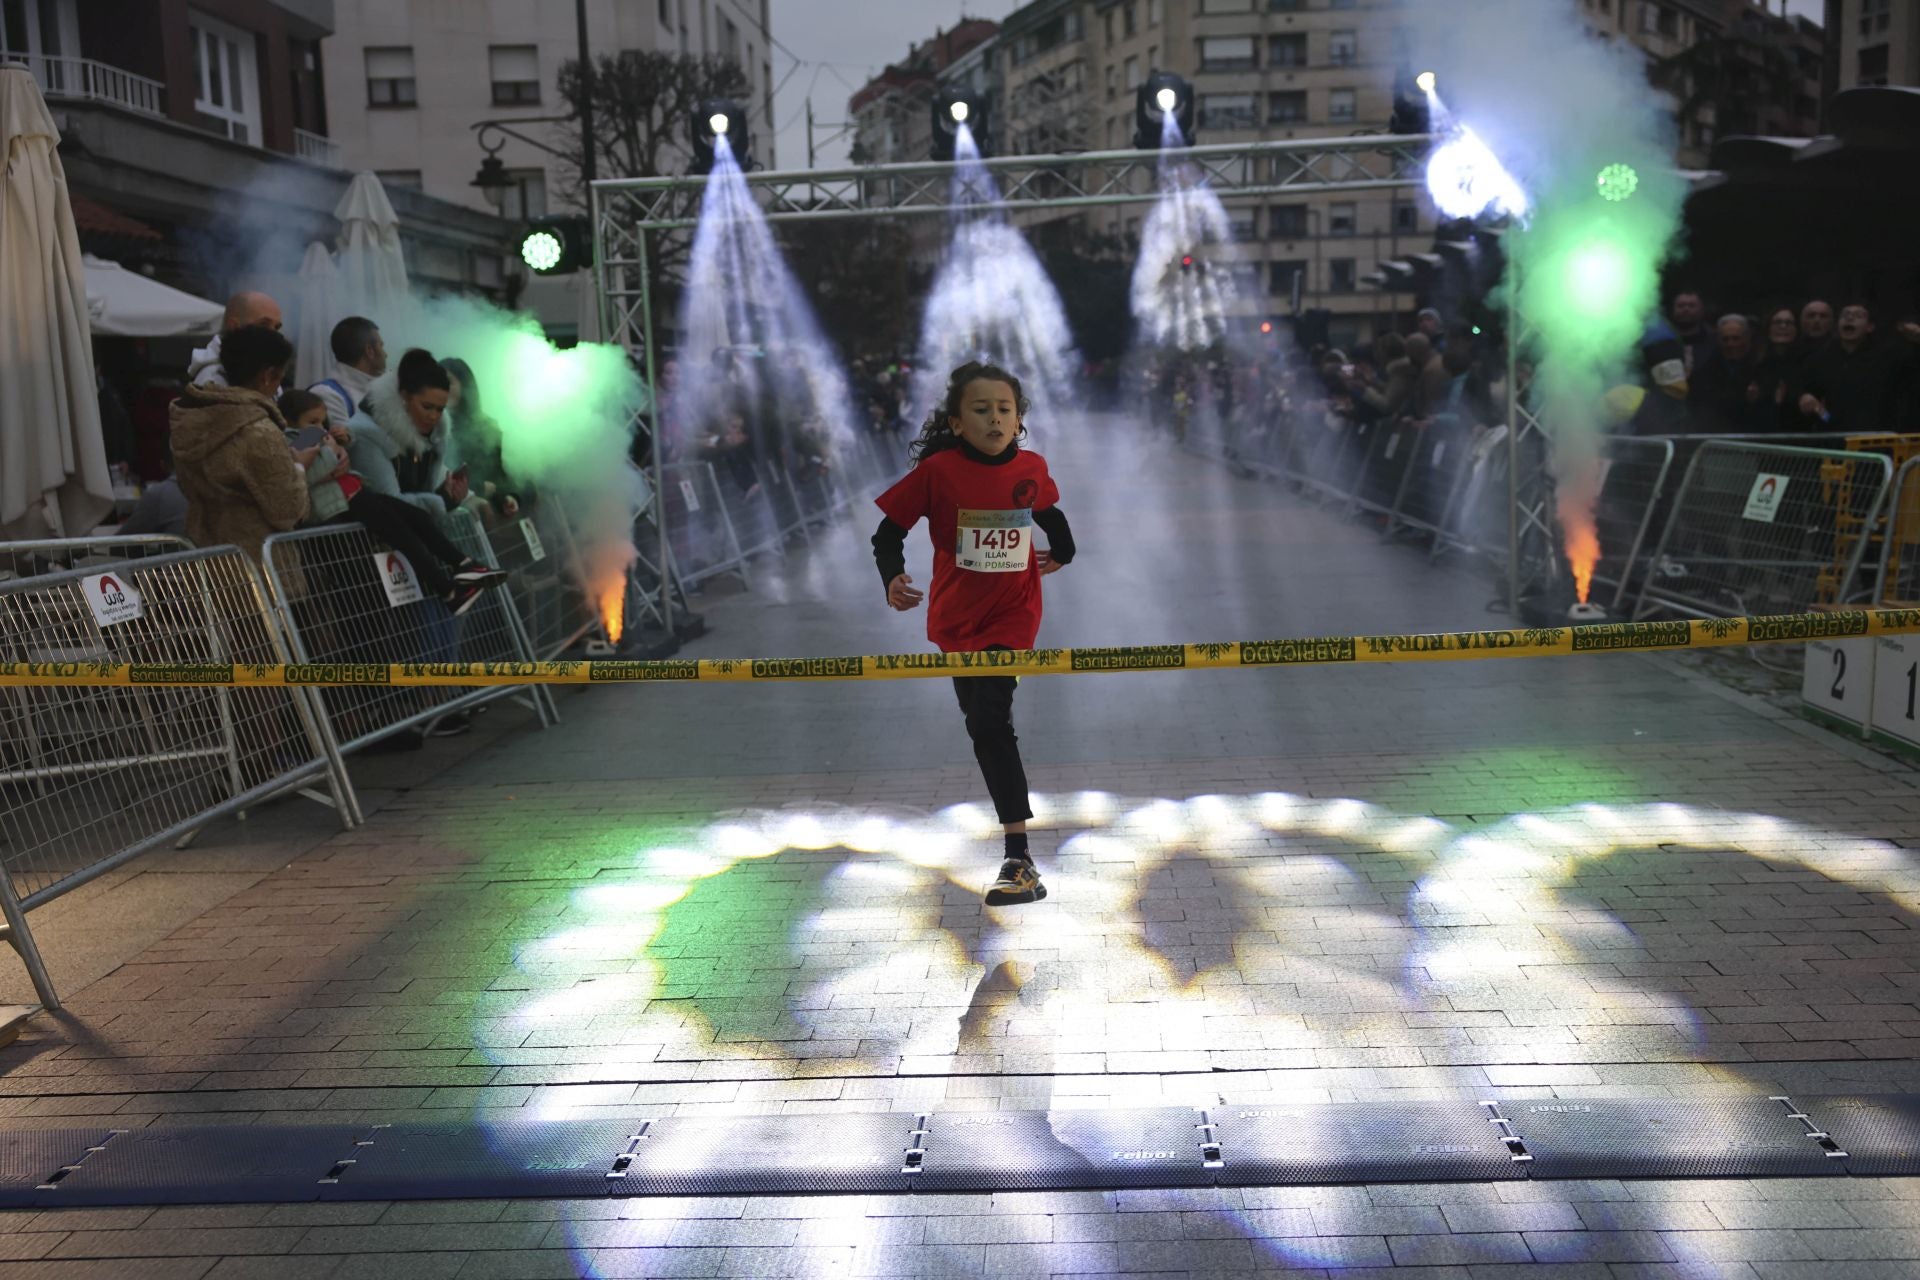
(232,461)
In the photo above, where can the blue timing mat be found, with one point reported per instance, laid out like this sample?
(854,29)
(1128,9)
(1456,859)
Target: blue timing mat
(1363,1142)
(532,1158)
(1540,1138)
(32,1158)
(207,1164)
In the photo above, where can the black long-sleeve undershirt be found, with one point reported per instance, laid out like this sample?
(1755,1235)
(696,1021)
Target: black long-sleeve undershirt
(890,543)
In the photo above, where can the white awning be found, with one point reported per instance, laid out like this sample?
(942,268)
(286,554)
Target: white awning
(125,304)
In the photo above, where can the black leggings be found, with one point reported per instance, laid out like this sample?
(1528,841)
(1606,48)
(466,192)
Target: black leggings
(987,702)
(412,532)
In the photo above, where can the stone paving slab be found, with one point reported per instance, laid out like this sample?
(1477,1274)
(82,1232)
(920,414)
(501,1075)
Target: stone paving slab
(1511,880)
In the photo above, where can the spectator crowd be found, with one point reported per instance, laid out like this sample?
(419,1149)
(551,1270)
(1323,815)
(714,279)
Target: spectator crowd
(1811,369)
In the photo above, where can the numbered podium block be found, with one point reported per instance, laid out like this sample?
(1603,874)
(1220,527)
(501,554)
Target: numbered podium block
(1896,681)
(1838,685)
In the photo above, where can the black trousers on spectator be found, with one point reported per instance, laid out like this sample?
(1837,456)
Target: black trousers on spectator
(410,531)
(987,702)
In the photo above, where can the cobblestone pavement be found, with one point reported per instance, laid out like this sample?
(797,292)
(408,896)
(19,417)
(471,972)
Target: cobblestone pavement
(1503,879)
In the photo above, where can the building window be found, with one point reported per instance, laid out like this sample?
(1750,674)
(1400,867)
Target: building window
(1343,4)
(1226,6)
(1133,74)
(1226,111)
(1343,48)
(1657,19)
(1342,105)
(1286,6)
(1287,221)
(1113,80)
(1340,275)
(1406,217)
(666,13)
(1241,223)
(1287,50)
(1131,16)
(1109,26)
(408,179)
(1873,64)
(1226,53)
(1280,275)
(527,197)
(1340,218)
(226,79)
(390,77)
(516,75)
(1153,13)
(1287,107)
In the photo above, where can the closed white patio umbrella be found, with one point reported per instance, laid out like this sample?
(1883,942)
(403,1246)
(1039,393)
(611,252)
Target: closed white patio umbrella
(53,461)
(373,270)
(316,310)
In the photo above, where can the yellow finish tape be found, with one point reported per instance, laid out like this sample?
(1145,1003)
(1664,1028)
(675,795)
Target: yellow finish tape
(1538,642)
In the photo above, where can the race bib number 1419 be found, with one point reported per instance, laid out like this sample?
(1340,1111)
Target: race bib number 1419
(994,541)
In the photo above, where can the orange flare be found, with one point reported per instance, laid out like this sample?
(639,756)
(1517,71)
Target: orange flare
(1583,553)
(611,595)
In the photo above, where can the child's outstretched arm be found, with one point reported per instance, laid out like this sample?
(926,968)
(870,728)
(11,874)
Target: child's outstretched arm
(1059,552)
(890,554)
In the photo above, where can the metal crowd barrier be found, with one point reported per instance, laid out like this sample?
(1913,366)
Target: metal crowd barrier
(26,559)
(1898,582)
(1631,496)
(1765,529)
(700,527)
(345,596)
(92,777)
(1440,455)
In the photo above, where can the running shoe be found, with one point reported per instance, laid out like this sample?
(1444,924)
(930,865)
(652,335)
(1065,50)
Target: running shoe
(473,573)
(1019,882)
(461,598)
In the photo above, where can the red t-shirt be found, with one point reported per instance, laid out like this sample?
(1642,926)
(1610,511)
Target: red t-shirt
(986,586)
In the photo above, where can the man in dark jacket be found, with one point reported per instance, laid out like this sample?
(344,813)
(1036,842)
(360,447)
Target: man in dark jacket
(1717,390)
(1857,382)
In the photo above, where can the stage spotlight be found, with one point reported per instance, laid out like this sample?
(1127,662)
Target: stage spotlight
(1163,99)
(1424,81)
(555,246)
(953,110)
(1617,182)
(714,119)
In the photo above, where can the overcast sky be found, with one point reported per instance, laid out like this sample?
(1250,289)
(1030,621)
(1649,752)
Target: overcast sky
(840,43)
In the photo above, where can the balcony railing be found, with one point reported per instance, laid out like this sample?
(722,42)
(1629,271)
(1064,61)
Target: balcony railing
(92,81)
(315,149)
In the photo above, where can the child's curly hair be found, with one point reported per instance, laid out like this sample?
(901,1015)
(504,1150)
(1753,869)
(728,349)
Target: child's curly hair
(936,433)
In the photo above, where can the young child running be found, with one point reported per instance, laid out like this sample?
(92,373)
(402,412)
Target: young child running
(981,495)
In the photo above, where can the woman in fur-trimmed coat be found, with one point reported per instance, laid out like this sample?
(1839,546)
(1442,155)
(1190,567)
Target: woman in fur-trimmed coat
(402,443)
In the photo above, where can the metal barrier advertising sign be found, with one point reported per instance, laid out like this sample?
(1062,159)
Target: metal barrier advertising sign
(397,576)
(1764,499)
(112,598)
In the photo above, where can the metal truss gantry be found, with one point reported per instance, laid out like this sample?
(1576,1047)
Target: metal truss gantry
(628,212)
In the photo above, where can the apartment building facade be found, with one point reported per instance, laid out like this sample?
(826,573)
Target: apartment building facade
(1872,42)
(1067,71)
(408,81)
(196,139)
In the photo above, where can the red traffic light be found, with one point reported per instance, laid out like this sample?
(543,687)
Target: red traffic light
(1186,260)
